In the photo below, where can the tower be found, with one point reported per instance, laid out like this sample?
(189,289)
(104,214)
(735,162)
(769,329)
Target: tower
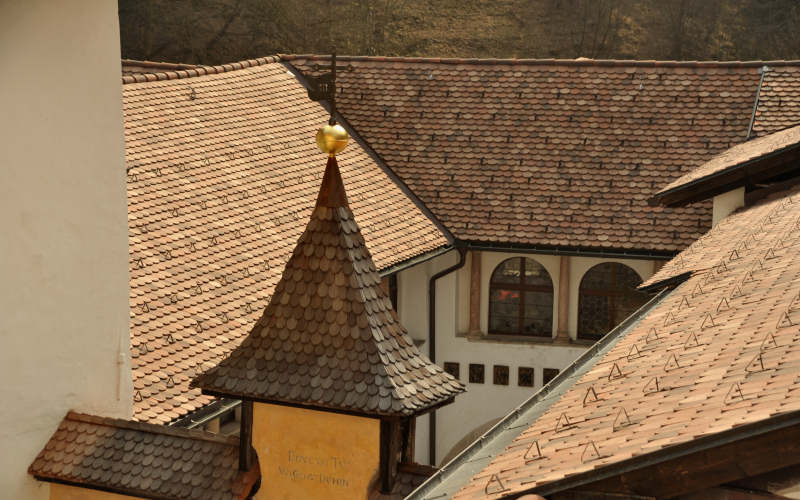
(330,380)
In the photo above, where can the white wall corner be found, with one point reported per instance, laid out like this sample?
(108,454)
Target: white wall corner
(726,203)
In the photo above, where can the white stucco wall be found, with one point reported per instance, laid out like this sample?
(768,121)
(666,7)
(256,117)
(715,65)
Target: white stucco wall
(63,217)
(726,203)
(485,402)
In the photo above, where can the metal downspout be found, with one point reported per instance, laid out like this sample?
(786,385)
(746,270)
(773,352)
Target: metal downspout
(462,259)
(763,70)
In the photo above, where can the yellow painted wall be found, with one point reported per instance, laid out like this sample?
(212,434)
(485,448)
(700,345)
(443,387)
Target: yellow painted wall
(64,492)
(307,454)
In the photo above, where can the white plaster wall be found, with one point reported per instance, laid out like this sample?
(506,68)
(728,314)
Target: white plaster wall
(412,308)
(725,204)
(63,226)
(484,402)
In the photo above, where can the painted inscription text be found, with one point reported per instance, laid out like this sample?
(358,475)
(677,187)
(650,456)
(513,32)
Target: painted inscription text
(302,467)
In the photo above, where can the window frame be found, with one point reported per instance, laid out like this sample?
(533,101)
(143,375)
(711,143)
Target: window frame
(521,287)
(611,293)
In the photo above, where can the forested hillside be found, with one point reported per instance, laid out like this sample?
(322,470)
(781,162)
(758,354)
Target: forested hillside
(217,31)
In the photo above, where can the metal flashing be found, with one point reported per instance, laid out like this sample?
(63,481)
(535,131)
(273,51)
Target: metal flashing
(453,475)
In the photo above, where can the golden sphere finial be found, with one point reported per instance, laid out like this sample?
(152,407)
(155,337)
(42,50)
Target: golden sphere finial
(332,138)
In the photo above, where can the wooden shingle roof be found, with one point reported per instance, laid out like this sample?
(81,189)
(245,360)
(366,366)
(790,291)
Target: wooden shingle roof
(143,460)
(329,337)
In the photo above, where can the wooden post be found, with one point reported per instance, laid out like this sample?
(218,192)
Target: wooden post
(562,329)
(246,437)
(213,426)
(389,443)
(475,294)
(409,438)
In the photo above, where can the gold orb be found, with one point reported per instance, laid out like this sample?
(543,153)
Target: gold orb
(332,138)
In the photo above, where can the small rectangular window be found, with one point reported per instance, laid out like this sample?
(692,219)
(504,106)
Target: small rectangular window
(475,373)
(548,375)
(452,368)
(525,376)
(500,375)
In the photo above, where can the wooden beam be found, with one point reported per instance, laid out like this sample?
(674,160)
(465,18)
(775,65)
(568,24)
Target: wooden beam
(562,329)
(246,437)
(475,294)
(390,442)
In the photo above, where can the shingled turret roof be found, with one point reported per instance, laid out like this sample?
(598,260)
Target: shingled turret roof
(329,338)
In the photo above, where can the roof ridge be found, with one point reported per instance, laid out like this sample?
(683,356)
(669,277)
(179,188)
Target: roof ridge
(551,61)
(158,64)
(196,71)
(180,432)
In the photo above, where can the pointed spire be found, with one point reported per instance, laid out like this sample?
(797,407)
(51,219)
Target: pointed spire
(329,337)
(331,192)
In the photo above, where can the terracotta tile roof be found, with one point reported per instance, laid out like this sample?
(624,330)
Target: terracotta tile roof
(329,336)
(718,352)
(737,156)
(779,99)
(219,185)
(143,460)
(549,153)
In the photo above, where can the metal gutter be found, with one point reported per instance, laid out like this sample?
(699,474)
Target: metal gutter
(413,261)
(477,455)
(568,251)
(378,159)
(462,259)
(763,70)
(207,413)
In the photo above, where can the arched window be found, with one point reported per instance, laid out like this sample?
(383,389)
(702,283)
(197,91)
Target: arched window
(607,296)
(521,299)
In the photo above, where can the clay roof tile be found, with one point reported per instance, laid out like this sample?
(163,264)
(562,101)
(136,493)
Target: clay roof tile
(218,189)
(346,279)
